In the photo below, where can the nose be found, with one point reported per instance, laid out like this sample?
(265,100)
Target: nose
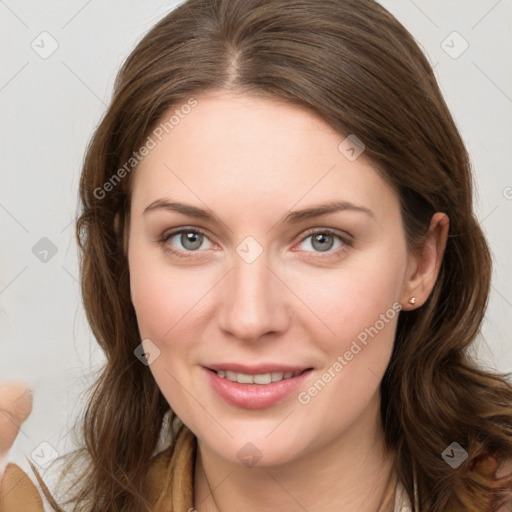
(254,302)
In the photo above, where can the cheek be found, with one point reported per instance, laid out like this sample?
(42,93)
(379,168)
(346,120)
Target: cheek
(362,313)
(156,302)
(354,298)
(161,294)
(165,301)
(359,308)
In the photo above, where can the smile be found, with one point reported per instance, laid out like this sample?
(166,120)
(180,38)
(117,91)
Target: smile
(260,378)
(256,390)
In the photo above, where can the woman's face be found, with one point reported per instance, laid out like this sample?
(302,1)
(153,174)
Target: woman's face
(252,286)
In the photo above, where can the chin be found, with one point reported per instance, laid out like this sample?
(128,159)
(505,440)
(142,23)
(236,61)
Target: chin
(254,447)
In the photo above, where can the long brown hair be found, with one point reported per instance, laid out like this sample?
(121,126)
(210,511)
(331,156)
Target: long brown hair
(353,64)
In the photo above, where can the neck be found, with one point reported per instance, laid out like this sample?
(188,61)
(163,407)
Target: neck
(353,472)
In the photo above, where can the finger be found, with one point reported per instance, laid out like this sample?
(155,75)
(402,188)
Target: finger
(15,406)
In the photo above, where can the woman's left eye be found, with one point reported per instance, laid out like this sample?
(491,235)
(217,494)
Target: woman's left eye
(323,241)
(191,240)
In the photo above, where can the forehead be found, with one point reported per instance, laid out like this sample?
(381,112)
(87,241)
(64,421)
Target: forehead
(243,150)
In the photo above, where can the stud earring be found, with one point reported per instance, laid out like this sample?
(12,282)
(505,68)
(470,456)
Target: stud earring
(412,300)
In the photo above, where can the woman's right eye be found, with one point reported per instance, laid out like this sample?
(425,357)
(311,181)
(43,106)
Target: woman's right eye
(189,239)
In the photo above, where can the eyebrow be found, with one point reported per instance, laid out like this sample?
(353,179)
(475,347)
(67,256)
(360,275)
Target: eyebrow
(293,217)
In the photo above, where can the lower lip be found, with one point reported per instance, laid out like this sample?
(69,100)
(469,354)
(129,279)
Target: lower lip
(255,396)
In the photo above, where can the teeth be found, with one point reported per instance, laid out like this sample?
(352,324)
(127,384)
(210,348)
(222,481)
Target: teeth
(244,379)
(260,378)
(265,378)
(231,376)
(277,376)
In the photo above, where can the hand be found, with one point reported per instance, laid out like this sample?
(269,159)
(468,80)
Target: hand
(17,491)
(15,407)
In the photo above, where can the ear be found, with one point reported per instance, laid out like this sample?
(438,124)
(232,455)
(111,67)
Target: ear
(424,263)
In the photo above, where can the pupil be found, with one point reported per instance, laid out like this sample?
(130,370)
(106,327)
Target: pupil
(191,238)
(320,237)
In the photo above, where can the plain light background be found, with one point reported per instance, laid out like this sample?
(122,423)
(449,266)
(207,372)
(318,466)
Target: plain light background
(50,105)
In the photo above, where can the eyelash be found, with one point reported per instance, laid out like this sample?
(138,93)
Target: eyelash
(347,242)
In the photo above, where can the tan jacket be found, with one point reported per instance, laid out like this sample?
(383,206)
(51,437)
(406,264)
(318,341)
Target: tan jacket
(19,494)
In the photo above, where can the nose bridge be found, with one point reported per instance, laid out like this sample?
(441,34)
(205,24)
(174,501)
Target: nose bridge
(254,302)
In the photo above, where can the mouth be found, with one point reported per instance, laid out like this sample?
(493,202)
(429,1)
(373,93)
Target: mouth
(255,387)
(258,378)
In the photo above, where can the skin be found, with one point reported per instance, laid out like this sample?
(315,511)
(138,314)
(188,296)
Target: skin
(283,307)
(15,407)
(251,161)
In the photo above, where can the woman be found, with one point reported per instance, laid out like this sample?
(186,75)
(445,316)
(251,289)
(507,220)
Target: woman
(290,379)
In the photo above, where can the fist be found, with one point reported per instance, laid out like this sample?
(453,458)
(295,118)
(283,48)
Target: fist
(15,407)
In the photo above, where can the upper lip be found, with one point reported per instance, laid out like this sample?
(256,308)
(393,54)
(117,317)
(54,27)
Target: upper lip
(257,368)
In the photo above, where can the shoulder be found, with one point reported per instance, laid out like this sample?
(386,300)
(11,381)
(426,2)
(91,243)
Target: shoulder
(158,475)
